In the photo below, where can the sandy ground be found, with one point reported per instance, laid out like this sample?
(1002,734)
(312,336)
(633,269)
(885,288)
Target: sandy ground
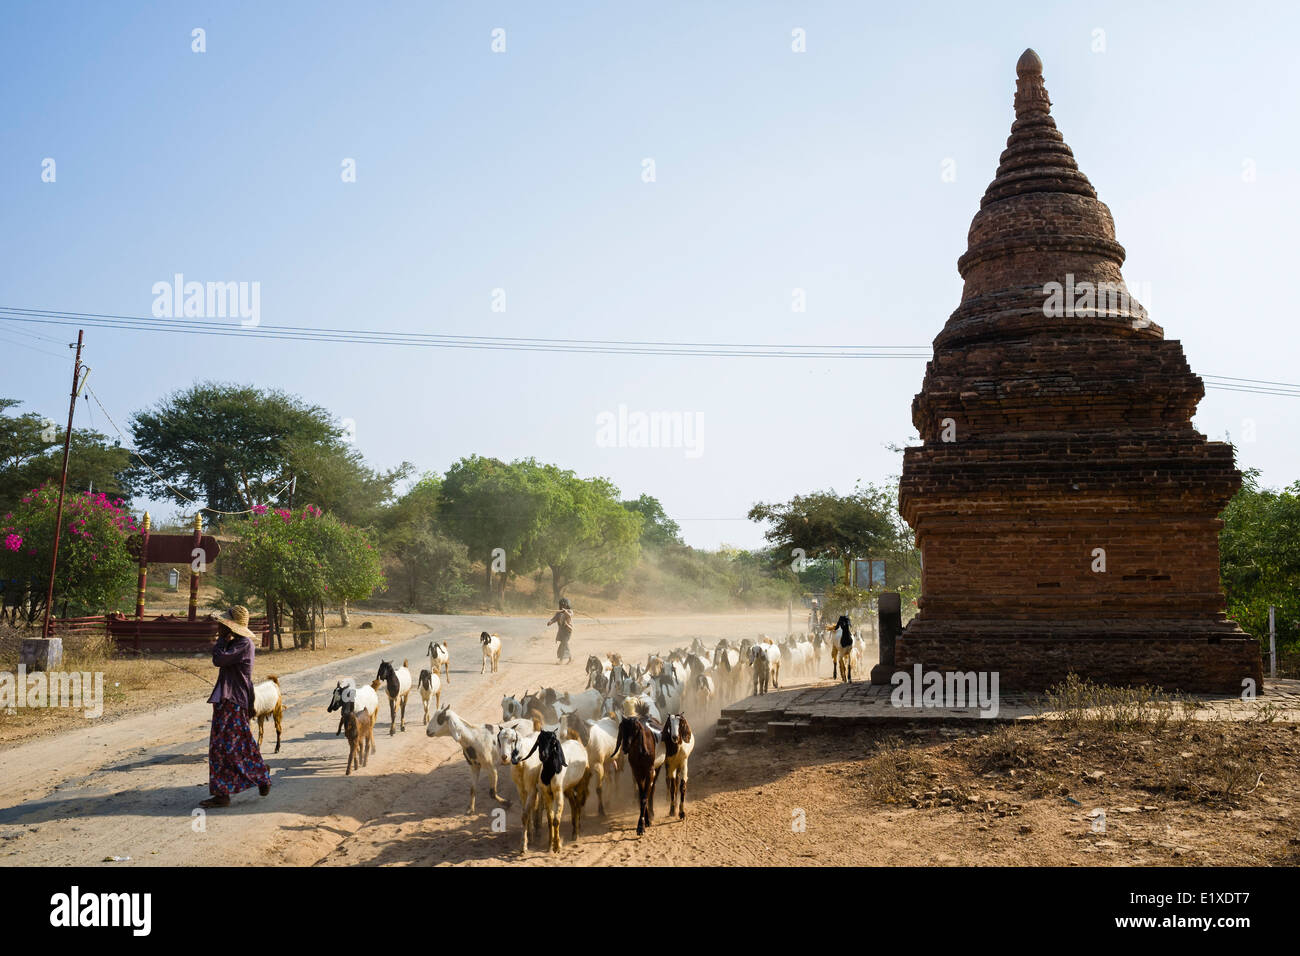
(944,796)
(130,788)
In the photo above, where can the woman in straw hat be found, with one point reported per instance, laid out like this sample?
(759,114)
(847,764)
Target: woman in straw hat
(234,762)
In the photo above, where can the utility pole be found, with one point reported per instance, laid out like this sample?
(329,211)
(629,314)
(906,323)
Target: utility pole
(63,481)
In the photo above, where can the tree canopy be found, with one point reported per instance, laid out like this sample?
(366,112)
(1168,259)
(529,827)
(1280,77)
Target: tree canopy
(31,454)
(657,529)
(228,446)
(826,525)
(1259,560)
(585,534)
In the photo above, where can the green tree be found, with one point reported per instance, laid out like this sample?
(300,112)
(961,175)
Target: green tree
(305,561)
(824,524)
(336,478)
(1259,560)
(31,454)
(95,572)
(228,446)
(430,568)
(487,504)
(657,530)
(586,534)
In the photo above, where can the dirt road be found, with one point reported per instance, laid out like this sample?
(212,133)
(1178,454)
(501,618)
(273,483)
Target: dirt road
(131,788)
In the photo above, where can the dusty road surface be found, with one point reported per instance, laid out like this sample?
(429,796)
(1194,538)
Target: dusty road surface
(131,788)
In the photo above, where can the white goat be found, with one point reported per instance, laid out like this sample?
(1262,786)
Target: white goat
(585,705)
(477,743)
(491,651)
(268,702)
(600,738)
(511,746)
(511,707)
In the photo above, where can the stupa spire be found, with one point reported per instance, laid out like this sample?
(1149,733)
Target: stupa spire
(1031,94)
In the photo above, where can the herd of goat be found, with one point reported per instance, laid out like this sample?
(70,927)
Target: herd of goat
(557,745)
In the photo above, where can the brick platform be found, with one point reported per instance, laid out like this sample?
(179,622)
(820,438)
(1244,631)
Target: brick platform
(832,707)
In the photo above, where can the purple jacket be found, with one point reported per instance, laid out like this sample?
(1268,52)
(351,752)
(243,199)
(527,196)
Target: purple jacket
(235,682)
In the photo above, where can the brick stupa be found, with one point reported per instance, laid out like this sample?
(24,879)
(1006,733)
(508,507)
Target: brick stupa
(1053,427)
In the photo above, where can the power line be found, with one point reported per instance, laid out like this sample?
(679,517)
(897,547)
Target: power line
(448,340)
(537,344)
(38,335)
(24,345)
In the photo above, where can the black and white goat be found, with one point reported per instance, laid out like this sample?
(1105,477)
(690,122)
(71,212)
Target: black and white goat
(397,682)
(440,660)
(491,651)
(430,689)
(678,742)
(562,775)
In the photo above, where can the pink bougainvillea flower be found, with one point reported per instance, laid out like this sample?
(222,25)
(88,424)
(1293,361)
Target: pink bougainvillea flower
(13,542)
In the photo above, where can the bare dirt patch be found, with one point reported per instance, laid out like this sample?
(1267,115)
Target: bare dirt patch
(1026,794)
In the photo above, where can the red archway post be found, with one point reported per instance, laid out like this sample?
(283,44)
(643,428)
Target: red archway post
(194,574)
(144,568)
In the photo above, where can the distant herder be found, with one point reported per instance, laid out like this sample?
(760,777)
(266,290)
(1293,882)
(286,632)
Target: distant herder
(564,619)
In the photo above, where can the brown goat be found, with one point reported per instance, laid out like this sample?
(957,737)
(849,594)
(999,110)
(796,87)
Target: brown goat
(360,728)
(577,797)
(638,737)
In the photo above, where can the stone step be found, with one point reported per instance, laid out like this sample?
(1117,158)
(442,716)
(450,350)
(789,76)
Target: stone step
(787,729)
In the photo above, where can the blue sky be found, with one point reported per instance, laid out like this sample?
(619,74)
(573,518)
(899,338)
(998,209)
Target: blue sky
(522,170)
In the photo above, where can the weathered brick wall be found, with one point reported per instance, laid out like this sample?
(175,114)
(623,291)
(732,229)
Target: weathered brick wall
(1046,437)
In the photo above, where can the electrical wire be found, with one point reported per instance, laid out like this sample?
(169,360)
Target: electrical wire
(536,344)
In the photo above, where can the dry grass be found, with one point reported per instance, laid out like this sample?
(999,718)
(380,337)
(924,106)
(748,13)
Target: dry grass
(1079,704)
(894,771)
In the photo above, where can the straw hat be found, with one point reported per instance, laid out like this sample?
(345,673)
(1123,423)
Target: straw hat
(237,620)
